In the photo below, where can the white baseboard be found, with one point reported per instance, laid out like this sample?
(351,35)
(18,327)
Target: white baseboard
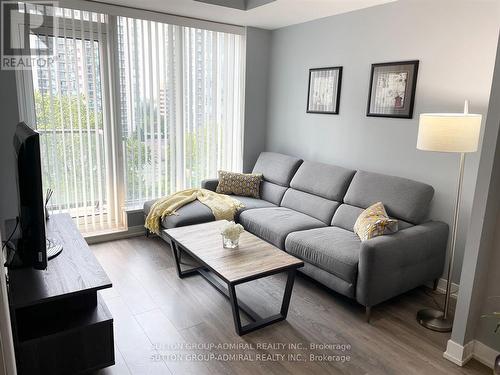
(484,354)
(457,353)
(441,287)
(460,355)
(134,231)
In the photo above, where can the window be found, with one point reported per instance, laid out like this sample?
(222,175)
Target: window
(133,110)
(70,116)
(180,105)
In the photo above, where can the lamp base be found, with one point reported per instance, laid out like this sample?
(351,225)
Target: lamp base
(433,320)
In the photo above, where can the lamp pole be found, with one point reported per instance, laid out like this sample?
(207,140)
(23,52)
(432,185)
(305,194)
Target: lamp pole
(454,237)
(437,320)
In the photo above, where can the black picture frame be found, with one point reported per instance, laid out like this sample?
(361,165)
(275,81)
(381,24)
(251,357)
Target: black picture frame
(336,104)
(406,111)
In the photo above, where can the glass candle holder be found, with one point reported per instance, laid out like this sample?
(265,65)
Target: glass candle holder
(230,243)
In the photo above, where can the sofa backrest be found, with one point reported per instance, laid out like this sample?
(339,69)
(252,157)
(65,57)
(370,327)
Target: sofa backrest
(317,189)
(346,215)
(277,171)
(403,199)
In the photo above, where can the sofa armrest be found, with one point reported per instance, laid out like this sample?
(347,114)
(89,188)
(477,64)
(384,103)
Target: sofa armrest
(393,264)
(210,184)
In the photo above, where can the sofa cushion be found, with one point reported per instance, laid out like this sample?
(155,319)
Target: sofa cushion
(251,203)
(277,168)
(242,184)
(374,222)
(271,192)
(346,215)
(210,184)
(268,191)
(403,199)
(192,213)
(196,212)
(275,223)
(309,204)
(332,249)
(327,181)
(147,206)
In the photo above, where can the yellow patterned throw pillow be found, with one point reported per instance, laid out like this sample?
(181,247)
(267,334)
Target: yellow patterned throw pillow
(374,222)
(245,185)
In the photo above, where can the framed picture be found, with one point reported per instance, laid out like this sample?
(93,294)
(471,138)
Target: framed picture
(392,89)
(324,90)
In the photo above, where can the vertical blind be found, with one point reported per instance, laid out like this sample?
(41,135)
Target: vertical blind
(72,117)
(133,110)
(180,106)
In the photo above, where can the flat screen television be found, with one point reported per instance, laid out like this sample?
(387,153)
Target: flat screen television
(31,249)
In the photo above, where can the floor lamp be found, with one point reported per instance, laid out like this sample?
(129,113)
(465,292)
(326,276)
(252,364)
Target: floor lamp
(457,133)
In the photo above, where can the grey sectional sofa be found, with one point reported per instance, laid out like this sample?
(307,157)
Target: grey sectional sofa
(308,209)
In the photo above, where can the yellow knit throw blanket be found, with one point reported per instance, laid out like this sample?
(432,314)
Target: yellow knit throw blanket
(222,206)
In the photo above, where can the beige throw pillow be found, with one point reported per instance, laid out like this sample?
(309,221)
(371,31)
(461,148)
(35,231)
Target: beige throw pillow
(374,222)
(245,185)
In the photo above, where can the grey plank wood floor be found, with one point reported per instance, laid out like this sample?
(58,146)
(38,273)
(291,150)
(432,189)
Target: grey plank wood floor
(165,325)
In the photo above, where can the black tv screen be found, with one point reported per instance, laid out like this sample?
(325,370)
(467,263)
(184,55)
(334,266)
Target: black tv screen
(31,248)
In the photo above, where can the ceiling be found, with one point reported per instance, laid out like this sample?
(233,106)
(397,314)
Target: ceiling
(273,15)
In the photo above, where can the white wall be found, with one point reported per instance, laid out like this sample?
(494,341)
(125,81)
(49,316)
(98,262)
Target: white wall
(256,79)
(480,274)
(485,327)
(455,41)
(479,277)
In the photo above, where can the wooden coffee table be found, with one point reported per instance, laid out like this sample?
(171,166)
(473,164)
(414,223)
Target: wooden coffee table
(253,259)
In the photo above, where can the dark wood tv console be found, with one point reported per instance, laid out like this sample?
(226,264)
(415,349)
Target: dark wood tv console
(60,323)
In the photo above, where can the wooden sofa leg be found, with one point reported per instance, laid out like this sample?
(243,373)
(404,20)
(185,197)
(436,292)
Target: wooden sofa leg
(368,313)
(435,285)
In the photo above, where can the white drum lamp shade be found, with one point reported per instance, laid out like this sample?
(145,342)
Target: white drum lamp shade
(449,132)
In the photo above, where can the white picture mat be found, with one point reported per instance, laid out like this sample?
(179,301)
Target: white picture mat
(323,90)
